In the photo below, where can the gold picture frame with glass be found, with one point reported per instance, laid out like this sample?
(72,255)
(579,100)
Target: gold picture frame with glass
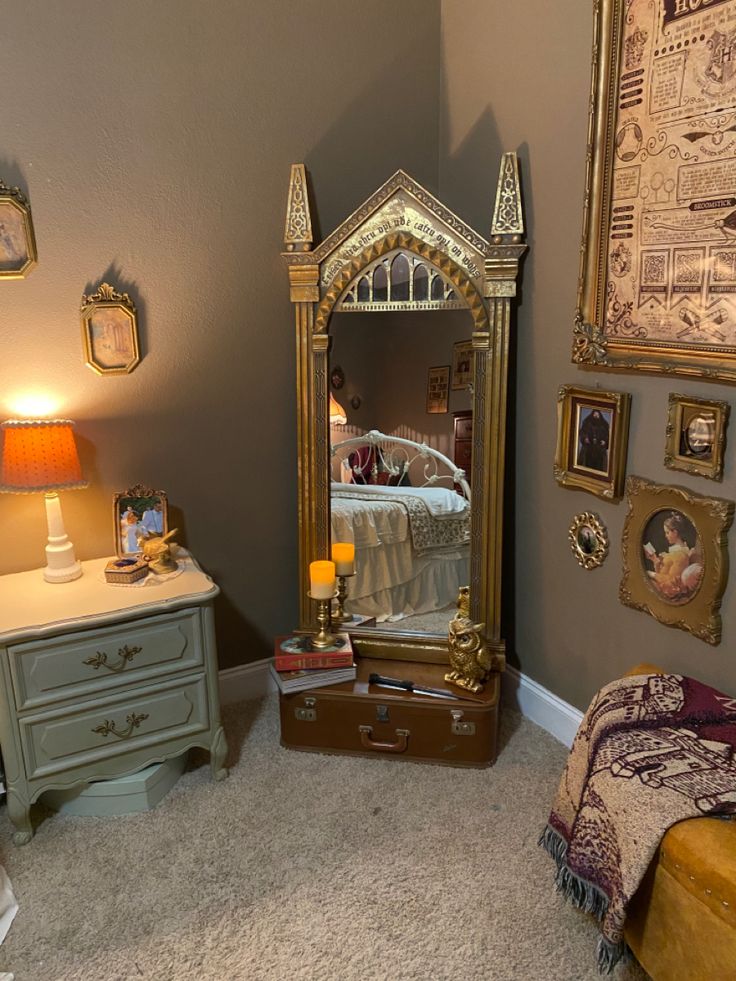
(588,539)
(592,440)
(657,280)
(675,557)
(110,331)
(696,435)
(138,513)
(17,238)
(438,389)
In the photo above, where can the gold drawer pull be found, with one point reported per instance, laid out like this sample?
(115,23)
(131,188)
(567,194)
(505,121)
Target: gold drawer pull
(108,728)
(125,654)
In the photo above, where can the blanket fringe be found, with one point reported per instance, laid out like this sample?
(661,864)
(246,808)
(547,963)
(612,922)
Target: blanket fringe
(583,895)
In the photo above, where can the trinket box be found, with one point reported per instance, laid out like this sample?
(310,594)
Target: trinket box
(125,571)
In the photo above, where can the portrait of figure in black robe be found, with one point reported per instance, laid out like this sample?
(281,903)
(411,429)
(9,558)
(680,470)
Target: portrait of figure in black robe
(594,438)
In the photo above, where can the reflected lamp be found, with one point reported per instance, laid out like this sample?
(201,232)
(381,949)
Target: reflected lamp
(41,456)
(337,413)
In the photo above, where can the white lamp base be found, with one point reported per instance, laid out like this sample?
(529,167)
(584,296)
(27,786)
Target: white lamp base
(62,564)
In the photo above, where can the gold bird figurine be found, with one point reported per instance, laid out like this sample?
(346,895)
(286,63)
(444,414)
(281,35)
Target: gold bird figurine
(470,658)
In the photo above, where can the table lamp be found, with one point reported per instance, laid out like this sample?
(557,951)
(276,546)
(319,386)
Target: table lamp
(41,455)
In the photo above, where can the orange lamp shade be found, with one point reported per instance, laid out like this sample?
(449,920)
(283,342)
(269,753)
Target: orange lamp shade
(337,413)
(322,579)
(343,555)
(39,455)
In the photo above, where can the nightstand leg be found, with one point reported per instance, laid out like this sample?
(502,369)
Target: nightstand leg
(19,813)
(218,752)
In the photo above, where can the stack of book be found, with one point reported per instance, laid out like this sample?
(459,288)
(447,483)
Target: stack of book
(298,665)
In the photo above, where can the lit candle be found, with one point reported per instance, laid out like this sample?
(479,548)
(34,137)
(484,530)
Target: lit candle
(343,555)
(322,579)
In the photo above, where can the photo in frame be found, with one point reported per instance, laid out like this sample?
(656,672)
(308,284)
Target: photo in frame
(592,440)
(696,435)
(462,365)
(138,512)
(110,331)
(17,238)
(588,539)
(657,287)
(675,556)
(438,385)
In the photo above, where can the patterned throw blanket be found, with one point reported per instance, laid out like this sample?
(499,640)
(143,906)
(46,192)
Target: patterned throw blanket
(651,750)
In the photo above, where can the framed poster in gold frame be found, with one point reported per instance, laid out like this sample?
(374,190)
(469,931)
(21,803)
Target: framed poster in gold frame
(592,439)
(17,239)
(696,435)
(675,556)
(657,285)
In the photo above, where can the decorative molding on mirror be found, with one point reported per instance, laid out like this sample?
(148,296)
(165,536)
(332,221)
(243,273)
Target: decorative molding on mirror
(402,218)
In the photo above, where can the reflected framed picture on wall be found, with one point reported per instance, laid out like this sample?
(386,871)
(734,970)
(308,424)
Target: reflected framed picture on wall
(675,556)
(438,385)
(462,365)
(696,435)
(17,239)
(592,438)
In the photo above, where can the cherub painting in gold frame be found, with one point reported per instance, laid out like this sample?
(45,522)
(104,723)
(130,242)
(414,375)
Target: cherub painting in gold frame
(17,238)
(675,556)
(592,439)
(696,435)
(110,331)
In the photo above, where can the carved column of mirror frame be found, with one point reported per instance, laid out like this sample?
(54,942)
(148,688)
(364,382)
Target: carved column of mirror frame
(490,339)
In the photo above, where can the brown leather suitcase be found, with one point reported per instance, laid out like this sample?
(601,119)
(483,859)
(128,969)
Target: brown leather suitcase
(359,719)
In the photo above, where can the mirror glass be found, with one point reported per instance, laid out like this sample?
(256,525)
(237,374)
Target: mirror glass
(411,532)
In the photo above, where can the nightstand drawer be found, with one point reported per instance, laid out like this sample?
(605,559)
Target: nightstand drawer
(85,663)
(125,724)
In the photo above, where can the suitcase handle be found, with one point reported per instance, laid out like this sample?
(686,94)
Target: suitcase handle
(366,738)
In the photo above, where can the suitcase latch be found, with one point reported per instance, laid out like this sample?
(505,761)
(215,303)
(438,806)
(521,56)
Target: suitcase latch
(460,728)
(307,713)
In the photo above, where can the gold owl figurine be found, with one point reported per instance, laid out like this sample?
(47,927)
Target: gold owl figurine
(470,658)
(157,553)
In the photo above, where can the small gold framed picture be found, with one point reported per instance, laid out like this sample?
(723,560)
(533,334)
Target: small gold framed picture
(138,513)
(592,439)
(588,539)
(675,556)
(17,240)
(696,435)
(110,331)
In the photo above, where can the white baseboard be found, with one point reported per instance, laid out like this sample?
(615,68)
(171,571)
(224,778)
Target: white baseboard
(561,720)
(541,706)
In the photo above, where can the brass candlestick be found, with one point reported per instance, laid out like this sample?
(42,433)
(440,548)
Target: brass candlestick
(323,638)
(339,615)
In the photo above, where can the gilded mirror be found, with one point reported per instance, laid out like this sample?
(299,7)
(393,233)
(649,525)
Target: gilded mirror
(393,291)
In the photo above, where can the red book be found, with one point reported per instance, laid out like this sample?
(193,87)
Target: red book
(295,652)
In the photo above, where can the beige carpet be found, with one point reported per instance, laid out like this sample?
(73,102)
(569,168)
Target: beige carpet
(308,867)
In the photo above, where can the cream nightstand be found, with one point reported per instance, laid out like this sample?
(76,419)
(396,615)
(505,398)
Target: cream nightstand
(99,680)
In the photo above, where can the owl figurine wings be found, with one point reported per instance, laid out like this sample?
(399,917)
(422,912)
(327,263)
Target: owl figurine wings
(470,658)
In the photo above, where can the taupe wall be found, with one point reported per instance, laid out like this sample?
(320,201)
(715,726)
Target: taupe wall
(154,142)
(517,77)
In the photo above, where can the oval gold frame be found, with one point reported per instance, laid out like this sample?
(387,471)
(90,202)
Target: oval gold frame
(596,557)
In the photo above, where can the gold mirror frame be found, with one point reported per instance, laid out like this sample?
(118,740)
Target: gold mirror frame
(711,518)
(681,409)
(609,332)
(318,278)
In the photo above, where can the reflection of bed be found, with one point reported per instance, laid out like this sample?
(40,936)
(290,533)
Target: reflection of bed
(411,542)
